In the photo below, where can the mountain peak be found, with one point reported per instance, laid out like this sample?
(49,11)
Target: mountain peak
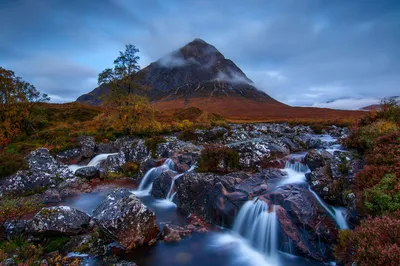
(196,70)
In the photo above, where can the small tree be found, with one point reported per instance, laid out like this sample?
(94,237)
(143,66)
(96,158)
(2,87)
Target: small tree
(134,112)
(17,97)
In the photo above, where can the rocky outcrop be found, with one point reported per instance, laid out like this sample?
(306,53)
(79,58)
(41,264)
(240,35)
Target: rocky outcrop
(304,221)
(162,184)
(253,151)
(124,218)
(61,220)
(314,160)
(43,171)
(87,146)
(88,172)
(218,198)
(72,156)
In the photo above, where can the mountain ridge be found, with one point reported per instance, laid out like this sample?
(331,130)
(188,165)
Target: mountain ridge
(196,70)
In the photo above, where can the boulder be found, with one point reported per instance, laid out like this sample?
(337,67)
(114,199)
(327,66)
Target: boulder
(61,220)
(252,152)
(162,184)
(303,220)
(314,160)
(88,146)
(72,156)
(212,136)
(106,147)
(43,171)
(88,172)
(210,196)
(51,196)
(124,218)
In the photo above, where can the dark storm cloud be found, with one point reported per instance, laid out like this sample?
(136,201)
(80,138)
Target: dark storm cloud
(301,52)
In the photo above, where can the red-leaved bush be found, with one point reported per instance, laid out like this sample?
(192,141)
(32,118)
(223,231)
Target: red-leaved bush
(375,242)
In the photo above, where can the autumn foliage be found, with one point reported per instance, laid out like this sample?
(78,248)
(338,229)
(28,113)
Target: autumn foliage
(375,242)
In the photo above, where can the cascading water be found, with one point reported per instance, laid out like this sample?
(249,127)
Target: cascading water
(337,214)
(146,183)
(259,227)
(340,218)
(295,173)
(171,195)
(94,162)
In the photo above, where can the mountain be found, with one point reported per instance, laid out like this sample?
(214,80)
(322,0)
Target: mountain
(196,71)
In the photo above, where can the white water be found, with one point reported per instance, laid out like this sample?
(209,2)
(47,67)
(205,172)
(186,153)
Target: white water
(340,218)
(295,173)
(94,162)
(171,195)
(336,214)
(146,184)
(259,227)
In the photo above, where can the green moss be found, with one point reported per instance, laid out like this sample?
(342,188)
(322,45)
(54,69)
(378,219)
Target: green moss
(218,158)
(151,144)
(384,197)
(55,243)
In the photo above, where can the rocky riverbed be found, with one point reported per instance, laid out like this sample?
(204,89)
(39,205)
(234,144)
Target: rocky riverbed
(164,198)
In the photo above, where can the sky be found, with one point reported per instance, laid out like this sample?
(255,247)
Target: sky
(340,54)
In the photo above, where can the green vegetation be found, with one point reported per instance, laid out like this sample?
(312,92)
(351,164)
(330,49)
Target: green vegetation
(151,144)
(384,197)
(218,158)
(11,210)
(23,252)
(55,243)
(377,187)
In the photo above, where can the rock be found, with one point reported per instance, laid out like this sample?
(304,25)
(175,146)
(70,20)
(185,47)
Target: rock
(135,151)
(173,148)
(72,156)
(51,196)
(88,146)
(162,184)
(210,196)
(258,184)
(124,218)
(252,152)
(174,233)
(106,147)
(314,143)
(43,171)
(61,220)
(303,220)
(8,262)
(212,136)
(88,172)
(73,187)
(314,160)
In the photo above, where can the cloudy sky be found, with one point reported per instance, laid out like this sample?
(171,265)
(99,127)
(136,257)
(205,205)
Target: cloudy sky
(307,52)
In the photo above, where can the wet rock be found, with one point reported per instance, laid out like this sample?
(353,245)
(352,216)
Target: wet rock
(212,136)
(8,262)
(174,233)
(43,171)
(61,220)
(106,147)
(73,187)
(72,156)
(258,184)
(304,221)
(173,148)
(124,218)
(344,164)
(51,196)
(314,160)
(162,184)
(114,163)
(88,172)
(210,196)
(88,146)
(252,152)
(12,229)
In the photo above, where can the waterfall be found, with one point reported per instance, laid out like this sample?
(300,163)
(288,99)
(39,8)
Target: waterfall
(297,166)
(94,162)
(170,195)
(337,214)
(340,219)
(259,227)
(295,173)
(146,183)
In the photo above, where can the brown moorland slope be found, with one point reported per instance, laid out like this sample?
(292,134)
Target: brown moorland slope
(239,109)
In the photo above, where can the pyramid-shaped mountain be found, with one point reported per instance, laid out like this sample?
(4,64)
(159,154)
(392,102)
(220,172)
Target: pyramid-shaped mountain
(195,73)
